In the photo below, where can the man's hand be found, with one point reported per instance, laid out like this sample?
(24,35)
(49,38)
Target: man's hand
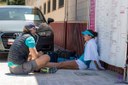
(29,57)
(34,53)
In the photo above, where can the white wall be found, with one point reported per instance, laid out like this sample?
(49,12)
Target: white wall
(112,25)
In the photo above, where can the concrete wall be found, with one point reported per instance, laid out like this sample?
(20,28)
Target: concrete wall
(112,26)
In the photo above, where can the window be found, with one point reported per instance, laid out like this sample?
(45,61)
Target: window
(49,6)
(61,3)
(44,8)
(54,5)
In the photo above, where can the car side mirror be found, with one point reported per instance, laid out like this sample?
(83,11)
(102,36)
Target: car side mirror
(50,20)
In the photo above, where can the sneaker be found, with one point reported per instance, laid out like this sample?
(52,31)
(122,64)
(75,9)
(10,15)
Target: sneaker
(48,70)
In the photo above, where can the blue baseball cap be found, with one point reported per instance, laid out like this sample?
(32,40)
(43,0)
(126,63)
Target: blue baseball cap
(86,32)
(30,26)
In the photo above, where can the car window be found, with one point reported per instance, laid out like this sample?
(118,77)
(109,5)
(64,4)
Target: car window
(31,17)
(20,14)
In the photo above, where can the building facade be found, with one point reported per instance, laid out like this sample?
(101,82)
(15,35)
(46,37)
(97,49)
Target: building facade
(108,17)
(59,10)
(70,16)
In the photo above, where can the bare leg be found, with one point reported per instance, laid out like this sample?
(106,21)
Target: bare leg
(42,61)
(64,65)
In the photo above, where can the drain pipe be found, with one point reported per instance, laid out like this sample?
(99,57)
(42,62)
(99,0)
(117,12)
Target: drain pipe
(65,23)
(76,11)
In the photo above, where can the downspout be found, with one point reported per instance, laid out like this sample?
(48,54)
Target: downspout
(76,11)
(75,31)
(65,23)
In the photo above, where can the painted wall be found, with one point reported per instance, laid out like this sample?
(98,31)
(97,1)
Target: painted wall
(78,10)
(112,26)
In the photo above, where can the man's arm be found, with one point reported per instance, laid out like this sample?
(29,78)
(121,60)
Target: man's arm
(33,53)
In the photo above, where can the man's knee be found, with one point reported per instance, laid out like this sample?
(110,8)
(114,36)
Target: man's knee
(46,57)
(42,60)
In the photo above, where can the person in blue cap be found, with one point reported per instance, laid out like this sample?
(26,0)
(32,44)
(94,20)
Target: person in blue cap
(88,60)
(23,57)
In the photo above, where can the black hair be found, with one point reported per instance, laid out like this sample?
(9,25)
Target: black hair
(94,33)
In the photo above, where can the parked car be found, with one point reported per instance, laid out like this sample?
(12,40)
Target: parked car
(12,21)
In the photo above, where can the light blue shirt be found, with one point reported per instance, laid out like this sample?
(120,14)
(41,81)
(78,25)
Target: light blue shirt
(30,42)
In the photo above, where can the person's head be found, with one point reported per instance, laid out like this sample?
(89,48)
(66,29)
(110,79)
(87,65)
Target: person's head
(42,27)
(30,28)
(89,34)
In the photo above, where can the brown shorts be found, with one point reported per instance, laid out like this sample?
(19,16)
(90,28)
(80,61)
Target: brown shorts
(25,68)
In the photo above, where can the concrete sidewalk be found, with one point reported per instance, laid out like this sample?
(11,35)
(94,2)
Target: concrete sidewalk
(62,77)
